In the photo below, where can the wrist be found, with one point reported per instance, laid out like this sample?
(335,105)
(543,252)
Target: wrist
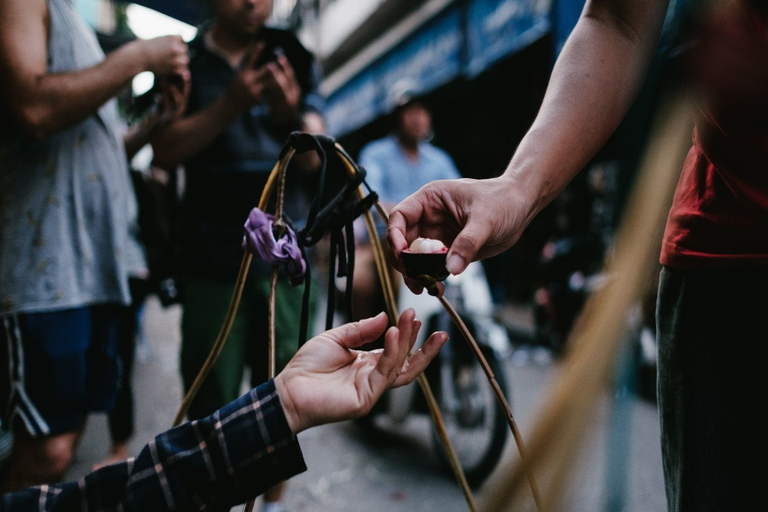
(524,187)
(289,409)
(139,56)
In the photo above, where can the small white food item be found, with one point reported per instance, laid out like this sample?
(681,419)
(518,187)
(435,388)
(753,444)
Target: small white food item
(427,245)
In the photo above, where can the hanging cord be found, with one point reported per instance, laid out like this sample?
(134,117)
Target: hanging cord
(310,235)
(229,318)
(336,217)
(391,303)
(499,396)
(279,228)
(431,284)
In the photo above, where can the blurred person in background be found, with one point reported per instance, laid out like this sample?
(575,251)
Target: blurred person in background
(252,85)
(711,301)
(396,166)
(233,455)
(66,211)
(150,230)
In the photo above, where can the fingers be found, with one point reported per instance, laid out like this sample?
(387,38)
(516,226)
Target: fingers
(419,361)
(165,55)
(282,81)
(397,344)
(287,69)
(397,242)
(255,54)
(355,334)
(396,233)
(401,219)
(179,54)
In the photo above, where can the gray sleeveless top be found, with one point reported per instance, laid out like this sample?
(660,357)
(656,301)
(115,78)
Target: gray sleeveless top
(66,202)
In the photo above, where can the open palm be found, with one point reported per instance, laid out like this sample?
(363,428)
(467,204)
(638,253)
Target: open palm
(328,381)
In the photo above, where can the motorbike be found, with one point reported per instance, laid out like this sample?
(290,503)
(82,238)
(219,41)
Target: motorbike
(475,422)
(568,268)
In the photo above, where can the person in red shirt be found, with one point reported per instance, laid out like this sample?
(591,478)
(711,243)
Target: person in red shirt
(711,300)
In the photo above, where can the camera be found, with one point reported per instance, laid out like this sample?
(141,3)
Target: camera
(268,54)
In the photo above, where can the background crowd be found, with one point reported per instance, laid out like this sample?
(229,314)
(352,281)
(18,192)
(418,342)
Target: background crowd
(77,257)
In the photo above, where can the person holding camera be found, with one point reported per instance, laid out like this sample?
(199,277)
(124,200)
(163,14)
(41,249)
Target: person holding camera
(251,86)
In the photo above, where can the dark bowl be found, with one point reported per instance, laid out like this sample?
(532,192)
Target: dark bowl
(431,264)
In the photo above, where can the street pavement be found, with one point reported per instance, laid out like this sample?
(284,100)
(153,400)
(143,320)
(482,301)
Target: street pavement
(396,469)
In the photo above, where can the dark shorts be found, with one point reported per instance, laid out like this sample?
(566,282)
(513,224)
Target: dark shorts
(56,367)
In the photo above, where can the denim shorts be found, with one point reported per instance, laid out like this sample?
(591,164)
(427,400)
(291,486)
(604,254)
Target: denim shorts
(56,367)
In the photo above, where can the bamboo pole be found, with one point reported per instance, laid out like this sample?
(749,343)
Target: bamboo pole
(586,369)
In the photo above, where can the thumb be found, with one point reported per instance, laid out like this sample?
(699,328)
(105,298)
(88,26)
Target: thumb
(355,334)
(465,247)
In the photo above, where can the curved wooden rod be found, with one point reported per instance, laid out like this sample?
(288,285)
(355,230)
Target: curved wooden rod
(501,399)
(383,270)
(391,303)
(229,318)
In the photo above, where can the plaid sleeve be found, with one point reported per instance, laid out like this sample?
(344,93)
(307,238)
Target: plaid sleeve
(210,464)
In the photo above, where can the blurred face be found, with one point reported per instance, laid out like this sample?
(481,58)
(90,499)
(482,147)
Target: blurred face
(415,122)
(243,17)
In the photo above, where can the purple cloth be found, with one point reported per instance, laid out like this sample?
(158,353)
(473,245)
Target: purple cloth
(260,239)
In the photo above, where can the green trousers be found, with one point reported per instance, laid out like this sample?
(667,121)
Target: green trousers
(205,304)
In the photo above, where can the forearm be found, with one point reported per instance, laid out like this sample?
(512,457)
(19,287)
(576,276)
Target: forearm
(593,84)
(184,138)
(50,102)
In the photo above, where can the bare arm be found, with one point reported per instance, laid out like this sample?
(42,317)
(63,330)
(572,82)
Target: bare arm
(593,83)
(43,103)
(184,138)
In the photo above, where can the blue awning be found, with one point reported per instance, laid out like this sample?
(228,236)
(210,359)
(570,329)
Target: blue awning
(464,40)
(428,59)
(498,28)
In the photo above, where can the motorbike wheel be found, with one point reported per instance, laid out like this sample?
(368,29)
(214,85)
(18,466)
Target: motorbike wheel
(474,420)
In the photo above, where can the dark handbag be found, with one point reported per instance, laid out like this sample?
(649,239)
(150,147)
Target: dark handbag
(158,228)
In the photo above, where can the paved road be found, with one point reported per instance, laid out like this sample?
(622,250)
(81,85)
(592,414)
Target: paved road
(350,472)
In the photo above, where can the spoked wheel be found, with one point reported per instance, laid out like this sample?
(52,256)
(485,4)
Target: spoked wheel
(474,420)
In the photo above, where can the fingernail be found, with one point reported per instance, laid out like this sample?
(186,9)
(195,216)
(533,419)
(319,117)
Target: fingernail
(454,264)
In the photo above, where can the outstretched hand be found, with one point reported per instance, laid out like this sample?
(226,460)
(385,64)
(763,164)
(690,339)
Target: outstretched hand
(476,219)
(328,381)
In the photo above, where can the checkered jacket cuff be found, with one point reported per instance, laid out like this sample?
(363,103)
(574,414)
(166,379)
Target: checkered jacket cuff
(214,463)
